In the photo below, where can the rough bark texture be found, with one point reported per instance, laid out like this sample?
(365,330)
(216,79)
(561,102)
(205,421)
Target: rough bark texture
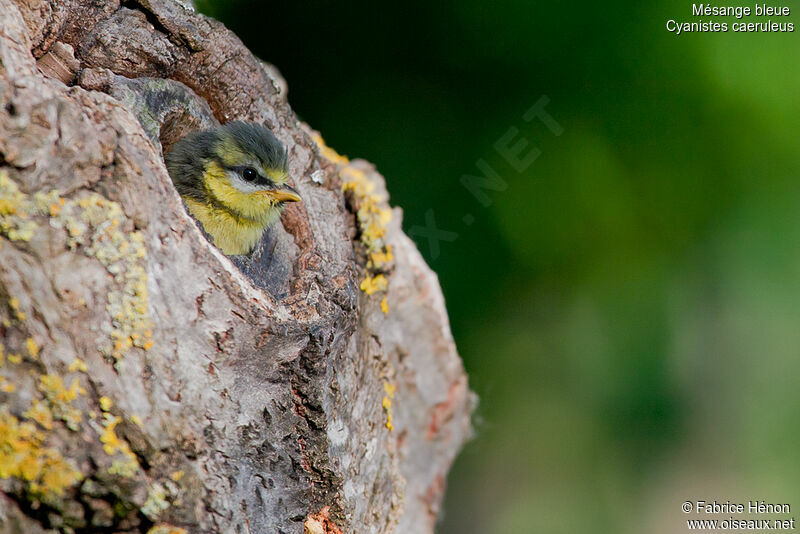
(148,383)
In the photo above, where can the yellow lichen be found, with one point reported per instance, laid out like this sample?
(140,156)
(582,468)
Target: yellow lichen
(373,215)
(15,211)
(33,348)
(136,420)
(77,365)
(6,386)
(61,397)
(380,259)
(41,413)
(372,284)
(126,466)
(94,224)
(176,475)
(24,456)
(111,443)
(156,501)
(54,389)
(122,255)
(105,403)
(386,403)
(14,358)
(19,314)
(384,305)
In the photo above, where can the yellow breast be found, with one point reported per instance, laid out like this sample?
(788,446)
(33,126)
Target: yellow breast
(233,235)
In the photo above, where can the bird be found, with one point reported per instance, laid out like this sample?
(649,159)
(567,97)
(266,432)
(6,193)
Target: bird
(233,179)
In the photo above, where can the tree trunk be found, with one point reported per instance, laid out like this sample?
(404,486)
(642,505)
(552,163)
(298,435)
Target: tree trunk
(148,383)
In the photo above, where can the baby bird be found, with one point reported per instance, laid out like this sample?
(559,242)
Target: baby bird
(233,179)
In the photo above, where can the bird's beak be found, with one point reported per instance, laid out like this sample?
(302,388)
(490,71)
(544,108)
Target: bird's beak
(284,194)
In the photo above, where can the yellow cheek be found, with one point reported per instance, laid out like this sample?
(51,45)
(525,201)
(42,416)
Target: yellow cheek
(251,205)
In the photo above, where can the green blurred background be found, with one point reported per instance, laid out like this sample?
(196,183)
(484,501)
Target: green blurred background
(628,308)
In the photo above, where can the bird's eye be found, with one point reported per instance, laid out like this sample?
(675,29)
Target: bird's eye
(250,174)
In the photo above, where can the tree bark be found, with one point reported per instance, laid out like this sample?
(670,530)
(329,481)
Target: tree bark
(148,383)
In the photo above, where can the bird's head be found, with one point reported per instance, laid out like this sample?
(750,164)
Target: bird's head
(233,179)
(245,169)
